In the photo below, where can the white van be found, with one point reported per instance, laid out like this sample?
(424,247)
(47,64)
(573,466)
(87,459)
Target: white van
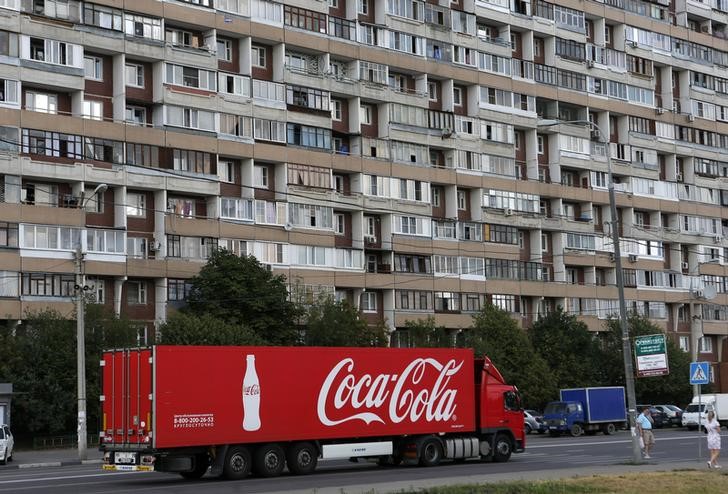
(717,402)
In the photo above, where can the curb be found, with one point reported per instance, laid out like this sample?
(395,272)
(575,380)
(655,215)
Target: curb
(64,463)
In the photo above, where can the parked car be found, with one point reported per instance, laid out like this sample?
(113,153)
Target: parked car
(694,413)
(658,417)
(6,444)
(530,423)
(673,414)
(542,429)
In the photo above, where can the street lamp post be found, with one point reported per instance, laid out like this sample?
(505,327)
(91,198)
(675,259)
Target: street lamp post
(80,338)
(626,342)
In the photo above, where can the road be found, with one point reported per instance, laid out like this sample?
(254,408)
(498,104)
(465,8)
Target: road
(546,457)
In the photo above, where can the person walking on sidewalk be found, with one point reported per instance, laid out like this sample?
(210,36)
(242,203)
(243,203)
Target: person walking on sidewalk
(712,427)
(644,428)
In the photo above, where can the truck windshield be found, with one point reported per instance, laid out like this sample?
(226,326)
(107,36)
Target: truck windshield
(693,408)
(555,408)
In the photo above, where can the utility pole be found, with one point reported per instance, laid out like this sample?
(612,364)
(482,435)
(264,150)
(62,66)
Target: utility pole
(81,353)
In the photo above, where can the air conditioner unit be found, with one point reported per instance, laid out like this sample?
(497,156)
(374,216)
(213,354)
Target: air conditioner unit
(691,117)
(633,258)
(679,177)
(684,265)
(508,211)
(659,110)
(699,293)
(717,239)
(633,44)
(370,239)
(590,63)
(155,246)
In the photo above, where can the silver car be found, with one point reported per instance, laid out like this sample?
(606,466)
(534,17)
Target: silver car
(6,444)
(530,422)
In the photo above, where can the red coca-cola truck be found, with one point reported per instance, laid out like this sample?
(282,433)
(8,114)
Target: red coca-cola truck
(185,409)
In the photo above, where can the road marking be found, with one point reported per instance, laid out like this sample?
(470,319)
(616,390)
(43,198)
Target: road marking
(41,479)
(621,441)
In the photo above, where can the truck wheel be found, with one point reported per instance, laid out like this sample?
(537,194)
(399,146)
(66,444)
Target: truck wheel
(237,463)
(202,462)
(302,458)
(269,460)
(609,429)
(576,430)
(430,452)
(503,448)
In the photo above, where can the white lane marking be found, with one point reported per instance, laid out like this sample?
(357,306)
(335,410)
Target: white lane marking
(596,443)
(64,477)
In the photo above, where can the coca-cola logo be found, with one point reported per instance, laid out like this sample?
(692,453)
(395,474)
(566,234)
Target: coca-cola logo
(252,390)
(398,397)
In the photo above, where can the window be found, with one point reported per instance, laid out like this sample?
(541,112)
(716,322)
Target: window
(41,102)
(225,50)
(93,68)
(457,96)
(226,171)
(136,115)
(432,90)
(97,289)
(365,114)
(706,344)
(93,110)
(191,77)
(339,228)
(314,99)
(48,285)
(136,292)
(304,135)
(191,161)
(540,144)
(236,208)
(336,110)
(461,200)
(258,56)
(178,290)
(304,19)
(137,247)
(684,343)
(136,204)
(9,91)
(141,26)
(8,234)
(135,75)
(260,176)
(363,7)
(55,52)
(103,17)
(368,302)
(191,118)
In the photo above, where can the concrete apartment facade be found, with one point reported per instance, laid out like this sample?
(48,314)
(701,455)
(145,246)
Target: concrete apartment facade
(398,153)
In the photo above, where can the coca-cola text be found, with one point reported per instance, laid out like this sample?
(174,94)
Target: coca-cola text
(405,400)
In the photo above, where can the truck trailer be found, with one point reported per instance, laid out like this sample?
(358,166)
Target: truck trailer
(587,410)
(237,410)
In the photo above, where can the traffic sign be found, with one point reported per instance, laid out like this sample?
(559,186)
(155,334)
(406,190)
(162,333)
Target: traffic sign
(699,372)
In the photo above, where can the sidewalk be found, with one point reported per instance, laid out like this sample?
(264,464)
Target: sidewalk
(51,458)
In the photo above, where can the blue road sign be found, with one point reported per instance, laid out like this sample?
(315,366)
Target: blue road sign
(699,372)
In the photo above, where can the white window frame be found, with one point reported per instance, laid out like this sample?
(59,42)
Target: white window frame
(258,56)
(97,65)
(138,73)
(368,303)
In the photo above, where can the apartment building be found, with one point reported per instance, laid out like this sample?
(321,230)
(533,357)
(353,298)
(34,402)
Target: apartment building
(413,157)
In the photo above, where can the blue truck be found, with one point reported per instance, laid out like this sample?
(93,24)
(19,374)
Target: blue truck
(587,410)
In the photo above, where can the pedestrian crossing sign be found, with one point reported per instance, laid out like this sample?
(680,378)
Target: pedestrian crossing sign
(699,373)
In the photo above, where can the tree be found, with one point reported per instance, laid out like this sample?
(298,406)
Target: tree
(332,323)
(205,329)
(241,291)
(424,333)
(673,388)
(568,347)
(496,334)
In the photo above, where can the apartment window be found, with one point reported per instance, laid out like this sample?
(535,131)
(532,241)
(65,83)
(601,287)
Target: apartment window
(339,224)
(136,247)
(365,114)
(336,110)
(145,27)
(436,193)
(540,144)
(191,161)
(93,110)
(226,171)
(225,50)
(461,200)
(178,290)
(191,77)
(304,19)
(363,7)
(685,343)
(142,155)
(304,135)
(9,91)
(94,68)
(706,344)
(136,115)
(258,56)
(41,102)
(260,176)
(457,96)
(432,91)
(48,285)
(314,99)
(52,51)
(134,75)
(8,234)
(136,292)
(103,17)
(191,118)
(368,302)
(136,204)
(236,208)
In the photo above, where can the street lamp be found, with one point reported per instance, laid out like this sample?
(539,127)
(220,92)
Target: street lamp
(626,342)
(80,337)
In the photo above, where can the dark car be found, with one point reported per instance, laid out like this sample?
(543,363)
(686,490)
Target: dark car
(658,418)
(673,414)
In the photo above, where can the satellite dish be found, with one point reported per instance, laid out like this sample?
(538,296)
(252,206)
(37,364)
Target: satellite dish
(709,292)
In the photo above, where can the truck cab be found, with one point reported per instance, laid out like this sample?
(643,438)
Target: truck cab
(562,416)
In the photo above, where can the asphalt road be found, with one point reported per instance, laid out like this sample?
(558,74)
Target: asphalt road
(546,457)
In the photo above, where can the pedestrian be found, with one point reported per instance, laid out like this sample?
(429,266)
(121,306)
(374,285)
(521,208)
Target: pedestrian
(644,428)
(712,427)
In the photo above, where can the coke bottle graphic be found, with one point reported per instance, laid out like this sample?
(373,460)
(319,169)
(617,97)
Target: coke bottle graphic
(251,396)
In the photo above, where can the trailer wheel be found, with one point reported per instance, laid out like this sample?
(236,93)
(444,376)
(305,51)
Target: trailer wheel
(609,429)
(237,463)
(302,458)
(269,460)
(503,448)
(577,430)
(202,462)
(430,452)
